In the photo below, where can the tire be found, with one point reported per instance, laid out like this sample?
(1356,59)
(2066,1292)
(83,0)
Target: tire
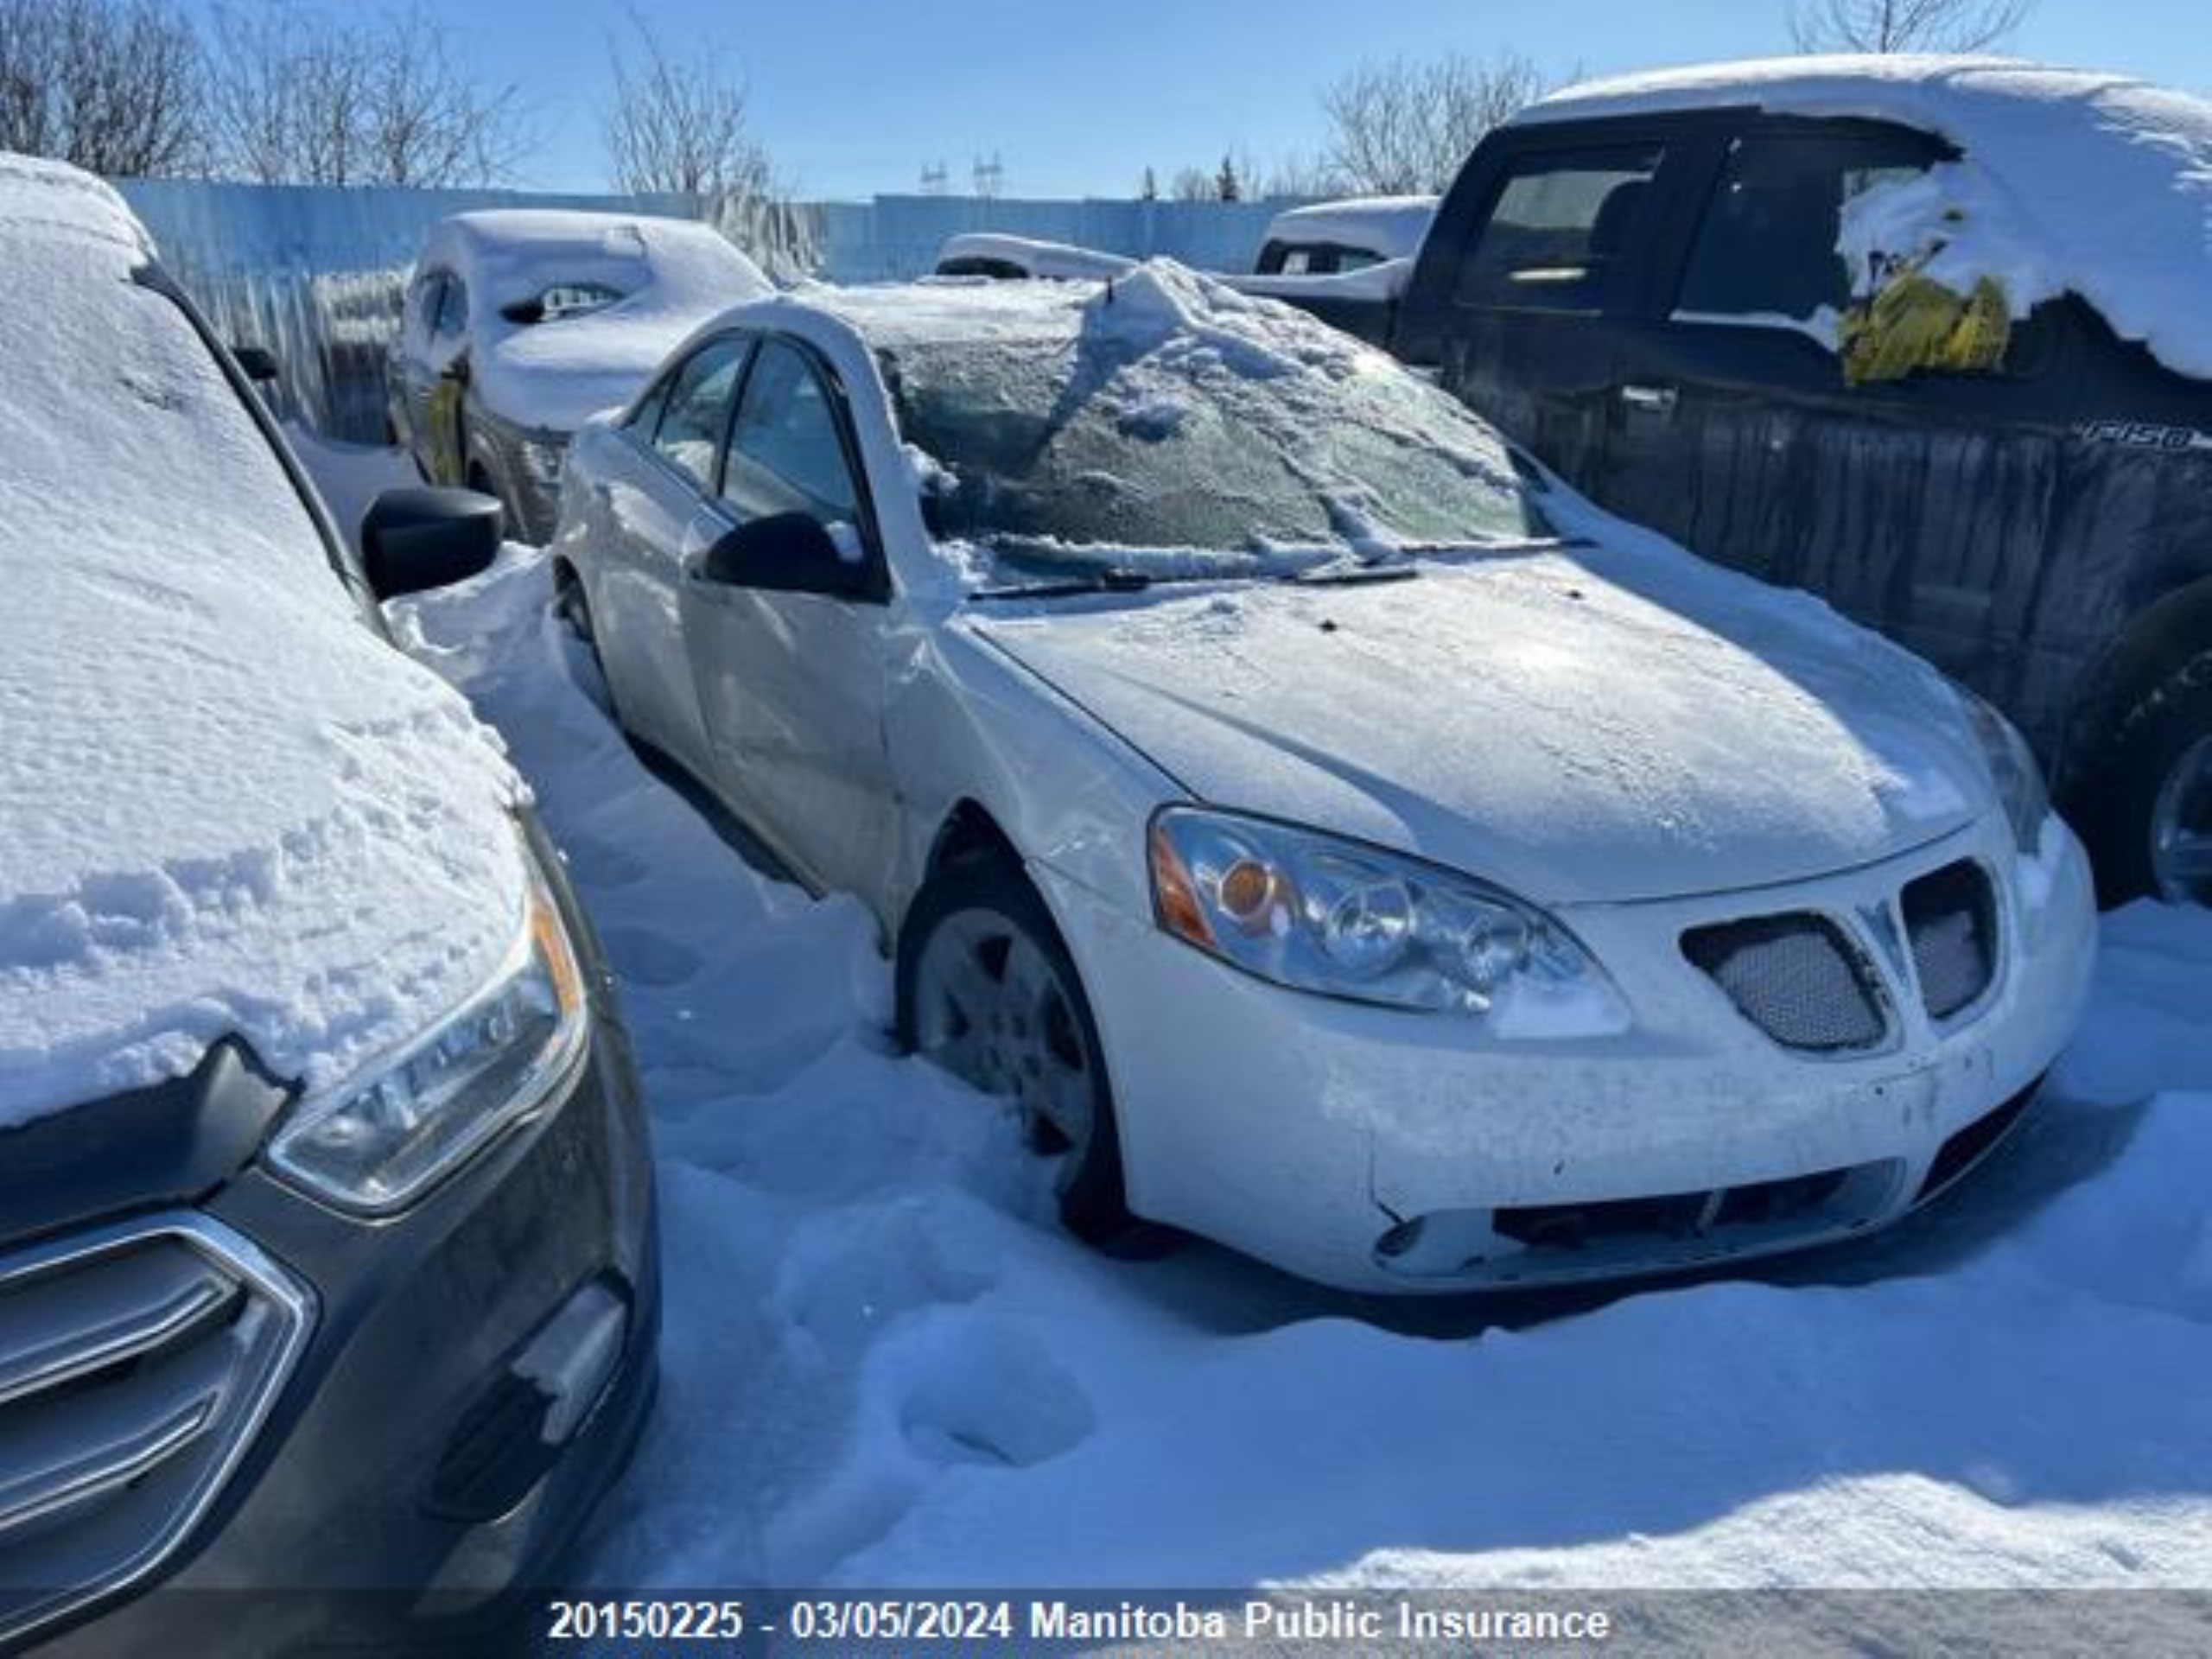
(2148,816)
(979,916)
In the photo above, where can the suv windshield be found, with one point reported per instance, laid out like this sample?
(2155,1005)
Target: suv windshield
(1193,455)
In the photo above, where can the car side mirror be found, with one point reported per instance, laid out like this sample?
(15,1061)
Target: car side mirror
(415,540)
(786,552)
(257,363)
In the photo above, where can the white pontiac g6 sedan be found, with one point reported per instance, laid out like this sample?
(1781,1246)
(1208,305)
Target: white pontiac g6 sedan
(1338,838)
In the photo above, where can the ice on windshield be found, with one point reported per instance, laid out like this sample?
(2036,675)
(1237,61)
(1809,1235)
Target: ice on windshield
(1173,427)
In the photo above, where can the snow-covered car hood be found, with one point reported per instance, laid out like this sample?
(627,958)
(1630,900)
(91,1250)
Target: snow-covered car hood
(230,808)
(1589,725)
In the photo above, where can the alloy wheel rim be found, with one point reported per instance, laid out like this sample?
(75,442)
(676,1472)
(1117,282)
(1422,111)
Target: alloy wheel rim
(2181,829)
(991,1008)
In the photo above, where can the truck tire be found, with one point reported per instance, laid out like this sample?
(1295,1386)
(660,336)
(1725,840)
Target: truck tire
(2147,817)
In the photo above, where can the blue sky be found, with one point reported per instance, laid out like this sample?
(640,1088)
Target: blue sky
(854,96)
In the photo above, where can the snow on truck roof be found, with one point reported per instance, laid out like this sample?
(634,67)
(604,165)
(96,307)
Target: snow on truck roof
(1392,226)
(2069,180)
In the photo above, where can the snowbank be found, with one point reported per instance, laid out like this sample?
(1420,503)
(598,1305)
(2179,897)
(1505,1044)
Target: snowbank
(884,1366)
(229,807)
(555,375)
(2093,183)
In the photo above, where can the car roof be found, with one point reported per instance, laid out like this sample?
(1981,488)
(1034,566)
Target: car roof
(939,310)
(1908,87)
(1392,225)
(42,199)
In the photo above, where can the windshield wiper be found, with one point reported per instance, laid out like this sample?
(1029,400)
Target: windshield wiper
(1101,582)
(1352,574)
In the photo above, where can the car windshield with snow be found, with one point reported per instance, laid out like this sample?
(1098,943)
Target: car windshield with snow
(298,1021)
(1063,451)
(1329,839)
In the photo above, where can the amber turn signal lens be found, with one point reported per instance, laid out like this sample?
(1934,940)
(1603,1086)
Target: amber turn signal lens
(1175,895)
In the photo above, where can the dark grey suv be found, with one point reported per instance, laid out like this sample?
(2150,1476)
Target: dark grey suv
(329,1288)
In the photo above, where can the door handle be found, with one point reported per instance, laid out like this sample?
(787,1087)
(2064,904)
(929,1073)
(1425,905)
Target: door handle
(1650,400)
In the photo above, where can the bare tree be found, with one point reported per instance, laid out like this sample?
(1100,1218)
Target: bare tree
(1906,25)
(678,124)
(313,101)
(1403,127)
(113,86)
(1192,184)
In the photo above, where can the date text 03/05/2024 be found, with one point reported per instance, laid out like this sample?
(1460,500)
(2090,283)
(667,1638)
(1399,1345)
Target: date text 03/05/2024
(899,1619)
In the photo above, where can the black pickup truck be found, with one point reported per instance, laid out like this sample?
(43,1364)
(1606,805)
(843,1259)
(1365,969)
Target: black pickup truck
(1641,285)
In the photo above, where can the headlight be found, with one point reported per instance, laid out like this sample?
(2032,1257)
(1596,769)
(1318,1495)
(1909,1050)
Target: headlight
(1317,913)
(2013,768)
(377,1141)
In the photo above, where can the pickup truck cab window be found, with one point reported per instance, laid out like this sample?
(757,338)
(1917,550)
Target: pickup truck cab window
(1560,226)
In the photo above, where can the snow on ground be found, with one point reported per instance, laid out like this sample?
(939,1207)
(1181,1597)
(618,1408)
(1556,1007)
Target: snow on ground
(884,1366)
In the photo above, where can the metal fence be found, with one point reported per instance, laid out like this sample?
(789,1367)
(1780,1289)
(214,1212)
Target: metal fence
(315,273)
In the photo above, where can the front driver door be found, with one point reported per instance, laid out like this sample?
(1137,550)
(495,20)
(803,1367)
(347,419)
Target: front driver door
(790,683)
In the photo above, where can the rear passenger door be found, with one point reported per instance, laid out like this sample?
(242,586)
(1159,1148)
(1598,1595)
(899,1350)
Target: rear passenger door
(1904,502)
(1535,254)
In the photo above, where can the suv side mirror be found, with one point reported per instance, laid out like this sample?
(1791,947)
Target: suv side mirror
(257,363)
(786,552)
(415,540)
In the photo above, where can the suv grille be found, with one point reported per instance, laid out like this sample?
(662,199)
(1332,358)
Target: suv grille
(136,1365)
(1951,919)
(1798,978)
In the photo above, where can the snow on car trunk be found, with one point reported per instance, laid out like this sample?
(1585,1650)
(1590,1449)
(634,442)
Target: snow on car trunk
(230,808)
(886,1366)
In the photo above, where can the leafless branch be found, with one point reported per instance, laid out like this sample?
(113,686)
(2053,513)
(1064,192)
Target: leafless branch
(113,86)
(1404,126)
(1906,25)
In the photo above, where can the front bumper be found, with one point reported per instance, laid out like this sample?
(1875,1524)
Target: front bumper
(1382,1151)
(475,1374)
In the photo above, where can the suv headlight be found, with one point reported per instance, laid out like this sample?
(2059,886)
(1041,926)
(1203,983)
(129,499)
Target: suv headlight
(376,1142)
(2013,768)
(1316,913)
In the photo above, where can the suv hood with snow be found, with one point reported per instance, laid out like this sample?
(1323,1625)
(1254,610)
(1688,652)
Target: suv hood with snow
(1579,727)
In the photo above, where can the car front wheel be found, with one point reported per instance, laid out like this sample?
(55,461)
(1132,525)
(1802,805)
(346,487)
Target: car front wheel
(988,990)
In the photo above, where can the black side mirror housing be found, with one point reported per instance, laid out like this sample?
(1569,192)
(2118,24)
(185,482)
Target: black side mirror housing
(786,552)
(257,363)
(413,541)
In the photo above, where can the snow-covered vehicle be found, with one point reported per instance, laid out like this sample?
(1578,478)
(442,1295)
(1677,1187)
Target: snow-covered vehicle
(1925,335)
(1330,239)
(1336,843)
(521,323)
(327,1250)
(1004,257)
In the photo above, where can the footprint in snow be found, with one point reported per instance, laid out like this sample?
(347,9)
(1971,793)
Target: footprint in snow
(989,1394)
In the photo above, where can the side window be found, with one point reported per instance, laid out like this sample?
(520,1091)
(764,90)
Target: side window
(1562,226)
(644,419)
(785,453)
(422,302)
(698,408)
(453,308)
(1767,247)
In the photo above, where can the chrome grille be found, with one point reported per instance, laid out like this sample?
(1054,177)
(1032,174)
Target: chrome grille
(136,1365)
(1798,978)
(1950,917)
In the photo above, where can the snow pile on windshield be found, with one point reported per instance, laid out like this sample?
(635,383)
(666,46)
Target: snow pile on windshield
(230,808)
(1166,424)
(671,276)
(2096,184)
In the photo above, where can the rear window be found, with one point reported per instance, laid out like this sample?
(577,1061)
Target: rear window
(1563,226)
